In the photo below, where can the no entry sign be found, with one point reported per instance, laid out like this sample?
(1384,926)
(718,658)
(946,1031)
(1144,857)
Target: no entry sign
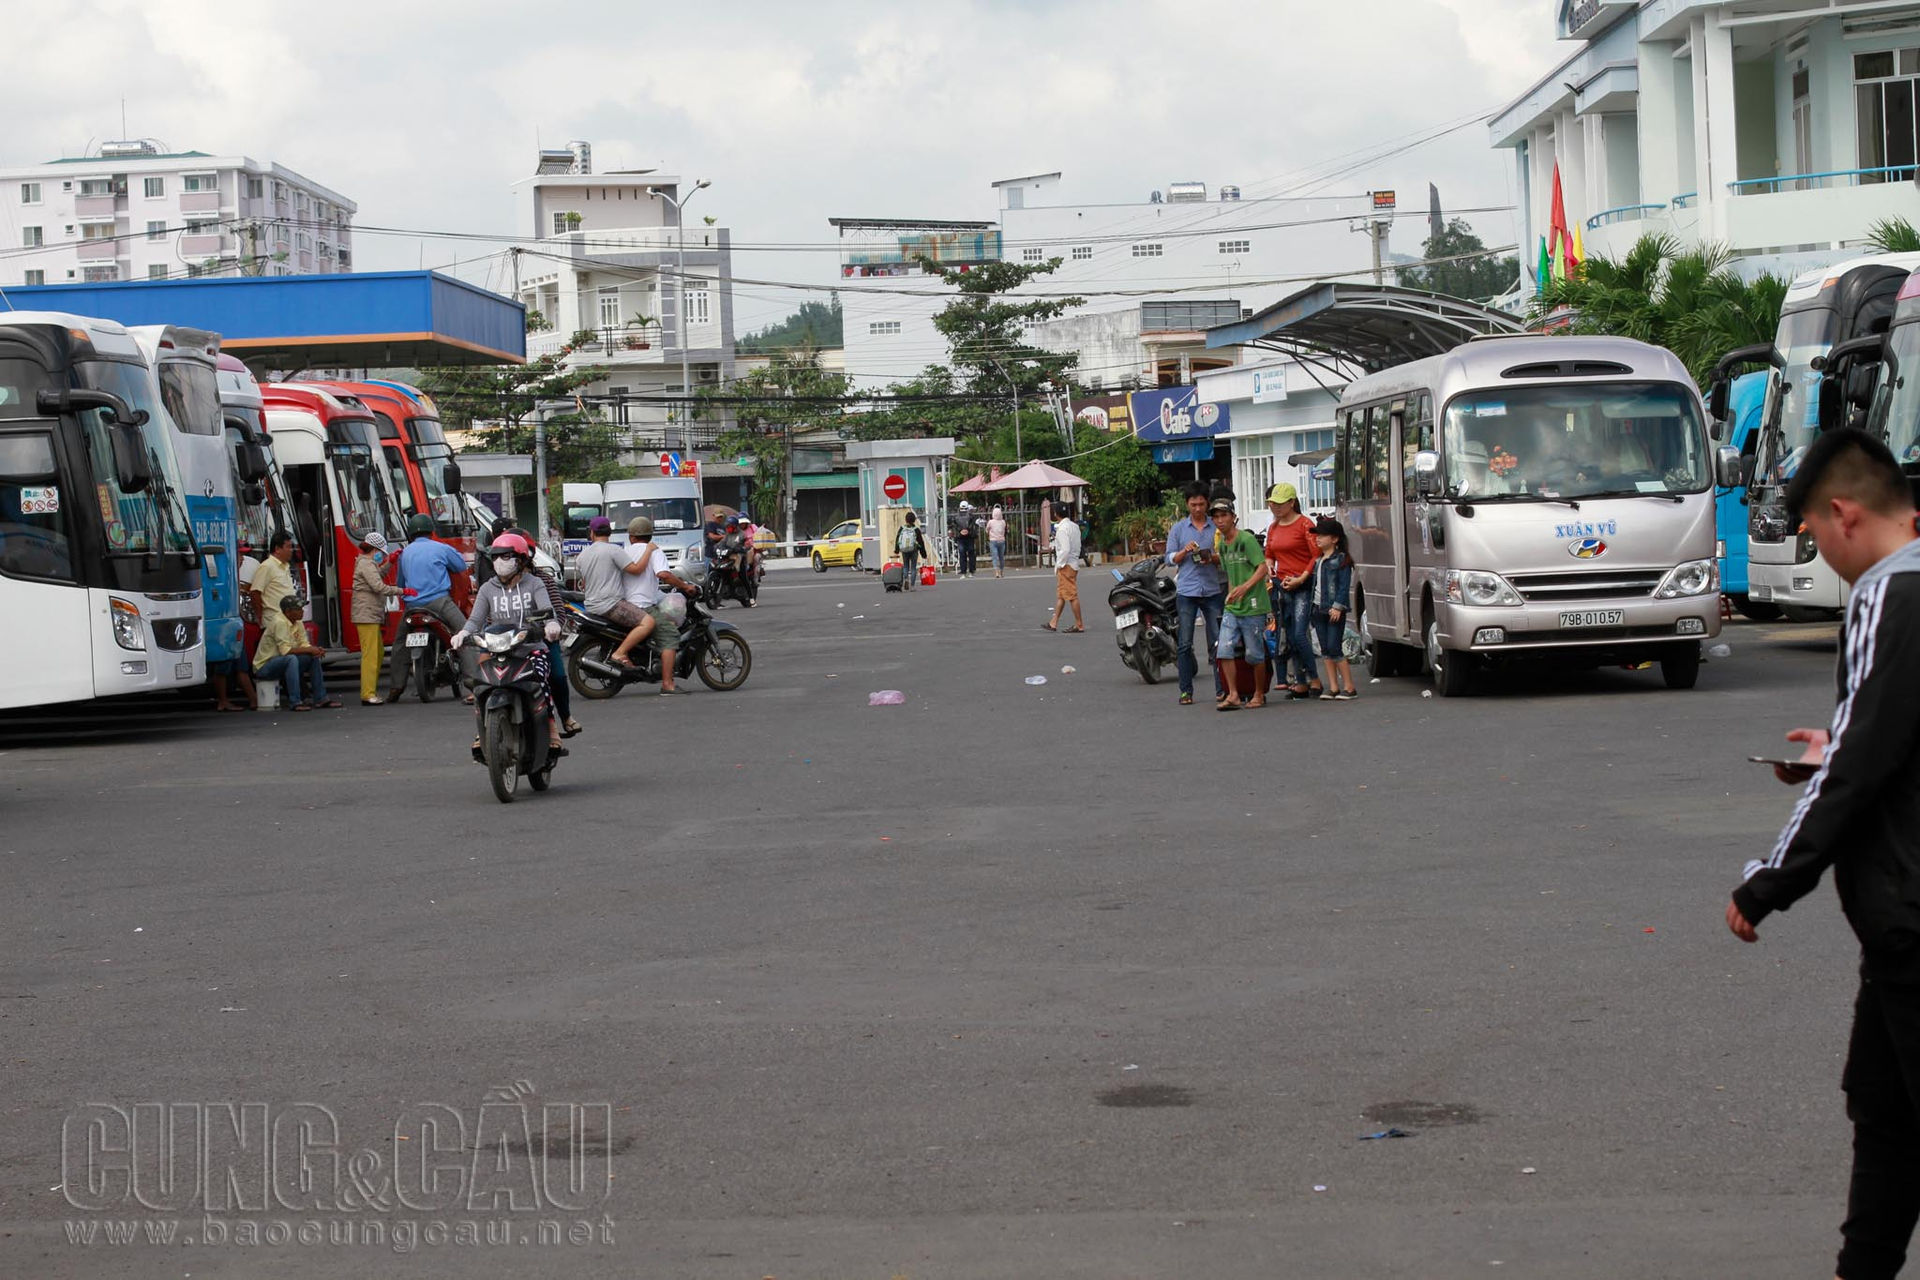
(895,487)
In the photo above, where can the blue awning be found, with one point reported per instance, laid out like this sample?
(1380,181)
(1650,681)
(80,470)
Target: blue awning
(375,319)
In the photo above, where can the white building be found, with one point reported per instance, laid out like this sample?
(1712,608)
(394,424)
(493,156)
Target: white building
(611,253)
(1781,128)
(132,212)
(1202,257)
(1280,409)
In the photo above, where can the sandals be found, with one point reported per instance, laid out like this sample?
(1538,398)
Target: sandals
(331,704)
(1074,631)
(479,753)
(1230,704)
(570,728)
(1186,699)
(1048,626)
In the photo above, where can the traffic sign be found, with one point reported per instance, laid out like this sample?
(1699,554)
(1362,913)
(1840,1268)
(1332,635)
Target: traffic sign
(895,487)
(669,464)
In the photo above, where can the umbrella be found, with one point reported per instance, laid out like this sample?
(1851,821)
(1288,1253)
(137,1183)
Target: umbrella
(1038,475)
(973,484)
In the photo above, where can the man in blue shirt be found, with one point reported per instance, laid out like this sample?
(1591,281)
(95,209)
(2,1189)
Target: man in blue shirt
(1199,588)
(426,576)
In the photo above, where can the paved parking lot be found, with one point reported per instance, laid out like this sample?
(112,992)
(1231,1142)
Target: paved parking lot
(1006,981)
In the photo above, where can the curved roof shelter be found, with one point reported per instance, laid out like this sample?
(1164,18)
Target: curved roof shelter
(1368,327)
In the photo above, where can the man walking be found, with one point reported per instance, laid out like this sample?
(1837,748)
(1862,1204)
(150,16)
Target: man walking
(1861,815)
(964,533)
(425,577)
(1198,590)
(1066,572)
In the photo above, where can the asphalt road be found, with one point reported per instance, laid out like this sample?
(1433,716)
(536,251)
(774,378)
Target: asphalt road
(1006,981)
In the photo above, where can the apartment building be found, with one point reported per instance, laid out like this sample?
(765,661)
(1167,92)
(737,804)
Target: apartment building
(1782,129)
(133,212)
(612,249)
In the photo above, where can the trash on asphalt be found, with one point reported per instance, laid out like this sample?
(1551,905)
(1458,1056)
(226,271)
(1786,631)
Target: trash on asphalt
(841,605)
(1426,693)
(1036,679)
(886,698)
(1319,1186)
(1066,671)
(1720,651)
(1385,1133)
(1528,1169)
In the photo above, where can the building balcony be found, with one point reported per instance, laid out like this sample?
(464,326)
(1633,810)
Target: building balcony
(202,246)
(646,345)
(95,206)
(103,250)
(1766,213)
(200,202)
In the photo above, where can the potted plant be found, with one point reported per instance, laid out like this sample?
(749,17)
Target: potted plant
(572,220)
(637,339)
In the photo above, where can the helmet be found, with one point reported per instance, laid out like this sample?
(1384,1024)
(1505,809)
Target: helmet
(733,522)
(500,525)
(640,527)
(420,526)
(511,544)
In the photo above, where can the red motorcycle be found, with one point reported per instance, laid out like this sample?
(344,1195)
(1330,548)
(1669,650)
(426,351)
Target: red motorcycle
(430,661)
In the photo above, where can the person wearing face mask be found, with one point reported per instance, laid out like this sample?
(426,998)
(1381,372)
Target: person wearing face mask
(371,591)
(506,600)
(427,572)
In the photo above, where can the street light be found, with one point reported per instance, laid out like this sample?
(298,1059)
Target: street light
(680,267)
(1019,456)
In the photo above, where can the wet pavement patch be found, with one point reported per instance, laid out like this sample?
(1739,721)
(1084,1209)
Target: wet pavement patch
(1422,1115)
(1145,1095)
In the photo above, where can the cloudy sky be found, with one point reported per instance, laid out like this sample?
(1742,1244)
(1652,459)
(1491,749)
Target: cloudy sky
(425,113)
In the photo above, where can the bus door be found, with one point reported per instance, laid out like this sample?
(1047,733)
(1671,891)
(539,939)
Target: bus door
(1372,515)
(1413,432)
(46,611)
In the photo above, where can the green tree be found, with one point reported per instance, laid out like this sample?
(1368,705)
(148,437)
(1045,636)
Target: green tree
(985,328)
(1689,301)
(768,405)
(815,325)
(1466,276)
(1894,235)
(1121,479)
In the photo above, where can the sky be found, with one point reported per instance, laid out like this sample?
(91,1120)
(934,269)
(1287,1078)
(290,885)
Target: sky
(425,113)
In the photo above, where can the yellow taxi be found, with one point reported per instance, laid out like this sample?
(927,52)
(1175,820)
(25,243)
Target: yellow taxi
(840,545)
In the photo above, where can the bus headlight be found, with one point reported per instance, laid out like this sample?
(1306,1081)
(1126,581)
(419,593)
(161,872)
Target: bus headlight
(127,631)
(1694,578)
(1803,548)
(1471,586)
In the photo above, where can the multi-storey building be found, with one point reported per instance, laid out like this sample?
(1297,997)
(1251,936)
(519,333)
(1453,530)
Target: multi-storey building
(1155,274)
(651,298)
(1782,129)
(132,212)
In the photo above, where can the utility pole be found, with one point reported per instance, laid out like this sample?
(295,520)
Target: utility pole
(680,269)
(1377,225)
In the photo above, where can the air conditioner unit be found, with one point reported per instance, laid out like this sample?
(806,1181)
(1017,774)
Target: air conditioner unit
(706,375)
(66,186)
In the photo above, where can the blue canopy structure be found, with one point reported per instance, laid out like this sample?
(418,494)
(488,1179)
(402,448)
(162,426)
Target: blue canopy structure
(374,319)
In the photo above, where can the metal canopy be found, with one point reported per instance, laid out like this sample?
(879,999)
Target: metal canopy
(1369,327)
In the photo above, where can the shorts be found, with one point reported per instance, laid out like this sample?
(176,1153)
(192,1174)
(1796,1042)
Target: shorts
(626,614)
(1249,629)
(1067,579)
(666,632)
(1329,635)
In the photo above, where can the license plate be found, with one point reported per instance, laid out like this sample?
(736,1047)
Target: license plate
(1121,621)
(183,671)
(1595,618)
(418,639)
(1759,592)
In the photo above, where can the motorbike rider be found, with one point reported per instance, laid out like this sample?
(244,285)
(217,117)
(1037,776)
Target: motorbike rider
(646,570)
(745,559)
(506,599)
(426,575)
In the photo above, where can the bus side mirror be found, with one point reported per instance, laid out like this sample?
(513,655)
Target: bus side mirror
(451,473)
(67,401)
(253,494)
(1861,381)
(1718,404)
(1426,473)
(1727,467)
(131,468)
(251,461)
(363,485)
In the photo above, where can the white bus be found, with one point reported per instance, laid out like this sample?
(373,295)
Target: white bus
(99,575)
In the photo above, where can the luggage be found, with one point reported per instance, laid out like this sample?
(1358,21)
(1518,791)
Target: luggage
(926,575)
(893,575)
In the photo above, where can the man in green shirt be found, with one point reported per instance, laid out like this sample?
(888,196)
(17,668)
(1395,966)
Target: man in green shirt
(1243,562)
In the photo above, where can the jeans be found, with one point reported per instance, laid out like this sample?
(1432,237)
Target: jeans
(1882,1084)
(1246,631)
(969,559)
(288,668)
(1188,667)
(910,561)
(1295,612)
(449,613)
(999,552)
(557,687)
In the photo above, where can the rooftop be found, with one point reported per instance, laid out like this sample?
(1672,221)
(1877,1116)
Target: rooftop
(909,224)
(132,155)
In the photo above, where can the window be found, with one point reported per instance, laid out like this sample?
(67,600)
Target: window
(1159,316)
(96,186)
(32,237)
(1379,452)
(99,275)
(256,188)
(33,538)
(156,271)
(154,188)
(1146,250)
(96,231)
(880,327)
(156,231)
(1235,246)
(1030,255)
(29,193)
(1350,465)
(697,311)
(1082,252)
(36,277)
(565,221)
(200,182)
(1886,90)
(609,308)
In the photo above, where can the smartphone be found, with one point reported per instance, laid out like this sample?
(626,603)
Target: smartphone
(1799,768)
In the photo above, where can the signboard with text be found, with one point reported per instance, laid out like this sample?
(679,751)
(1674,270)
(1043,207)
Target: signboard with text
(1175,413)
(1269,385)
(1103,413)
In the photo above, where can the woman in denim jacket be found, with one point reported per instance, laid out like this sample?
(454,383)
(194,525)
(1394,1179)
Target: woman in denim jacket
(1332,590)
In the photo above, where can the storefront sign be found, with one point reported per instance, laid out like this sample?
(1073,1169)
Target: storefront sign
(1175,413)
(1269,385)
(1103,413)
(1185,451)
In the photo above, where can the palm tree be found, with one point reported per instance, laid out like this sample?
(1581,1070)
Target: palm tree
(1687,300)
(1894,235)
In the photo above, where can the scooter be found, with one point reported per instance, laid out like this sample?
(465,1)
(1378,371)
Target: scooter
(515,708)
(430,660)
(728,575)
(715,650)
(1144,611)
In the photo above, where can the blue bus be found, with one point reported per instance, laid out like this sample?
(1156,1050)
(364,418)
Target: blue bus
(1747,398)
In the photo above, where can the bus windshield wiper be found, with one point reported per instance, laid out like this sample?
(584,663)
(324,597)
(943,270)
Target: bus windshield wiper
(1668,494)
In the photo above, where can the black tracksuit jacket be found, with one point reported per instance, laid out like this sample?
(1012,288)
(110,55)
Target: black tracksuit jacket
(1860,814)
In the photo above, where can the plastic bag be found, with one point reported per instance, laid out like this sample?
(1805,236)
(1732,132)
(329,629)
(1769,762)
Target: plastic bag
(1353,645)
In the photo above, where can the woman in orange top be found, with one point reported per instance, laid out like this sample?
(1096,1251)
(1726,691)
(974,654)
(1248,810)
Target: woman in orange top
(1291,552)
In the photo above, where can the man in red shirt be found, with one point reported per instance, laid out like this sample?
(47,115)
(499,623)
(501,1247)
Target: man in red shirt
(1291,552)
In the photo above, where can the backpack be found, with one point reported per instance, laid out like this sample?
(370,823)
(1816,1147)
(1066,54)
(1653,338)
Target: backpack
(908,539)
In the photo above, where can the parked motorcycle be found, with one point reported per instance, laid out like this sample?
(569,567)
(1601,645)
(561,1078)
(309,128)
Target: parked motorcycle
(515,707)
(728,575)
(430,659)
(715,650)
(1144,613)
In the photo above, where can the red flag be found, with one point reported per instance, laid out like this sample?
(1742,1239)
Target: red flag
(1559,239)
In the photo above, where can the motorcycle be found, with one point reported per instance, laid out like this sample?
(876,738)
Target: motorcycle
(515,707)
(430,660)
(728,575)
(715,650)
(1144,614)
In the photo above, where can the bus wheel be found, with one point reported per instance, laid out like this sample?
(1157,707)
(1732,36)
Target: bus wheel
(1680,666)
(1797,613)
(1451,672)
(1758,610)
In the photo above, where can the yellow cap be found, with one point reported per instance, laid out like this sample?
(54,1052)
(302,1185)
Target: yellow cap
(1283,492)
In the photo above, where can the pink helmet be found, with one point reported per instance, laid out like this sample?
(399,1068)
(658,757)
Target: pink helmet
(511,544)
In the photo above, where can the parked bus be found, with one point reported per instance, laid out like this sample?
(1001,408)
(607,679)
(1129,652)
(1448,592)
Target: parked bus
(418,459)
(1742,432)
(262,506)
(1823,309)
(329,452)
(99,575)
(1531,497)
(1896,410)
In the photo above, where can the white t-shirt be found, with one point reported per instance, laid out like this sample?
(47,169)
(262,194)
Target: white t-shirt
(643,588)
(1066,545)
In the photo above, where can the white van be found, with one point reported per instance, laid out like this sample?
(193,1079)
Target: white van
(674,503)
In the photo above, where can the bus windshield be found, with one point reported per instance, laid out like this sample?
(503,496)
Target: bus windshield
(1900,403)
(669,515)
(432,455)
(191,392)
(1578,440)
(1804,337)
(154,520)
(578,522)
(362,497)
(253,521)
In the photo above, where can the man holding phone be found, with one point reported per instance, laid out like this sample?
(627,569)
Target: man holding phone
(1861,815)
(1198,589)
